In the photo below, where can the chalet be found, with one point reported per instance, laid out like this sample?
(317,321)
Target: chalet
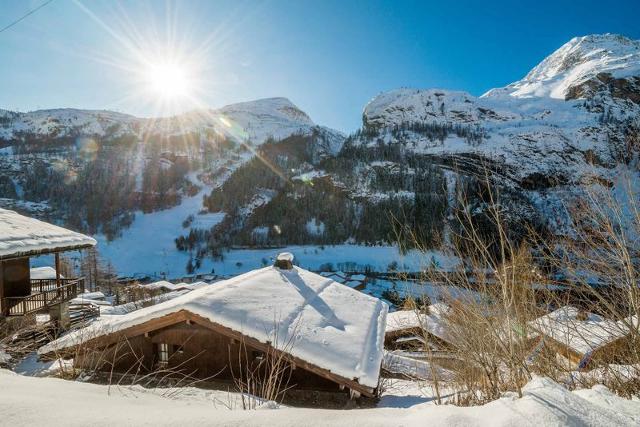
(331,336)
(585,339)
(413,329)
(21,294)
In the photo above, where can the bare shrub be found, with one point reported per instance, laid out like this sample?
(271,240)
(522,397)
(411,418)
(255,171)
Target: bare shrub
(265,378)
(508,283)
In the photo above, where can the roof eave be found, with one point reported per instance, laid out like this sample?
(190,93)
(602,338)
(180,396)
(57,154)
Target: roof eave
(30,253)
(184,315)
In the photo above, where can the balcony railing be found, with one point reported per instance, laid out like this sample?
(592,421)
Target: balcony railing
(44,294)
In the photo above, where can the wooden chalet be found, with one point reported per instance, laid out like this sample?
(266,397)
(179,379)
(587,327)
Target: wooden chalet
(218,331)
(414,330)
(586,340)
(22,237)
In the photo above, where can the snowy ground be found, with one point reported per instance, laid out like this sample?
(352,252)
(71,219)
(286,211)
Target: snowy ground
(27,401)
(148,248)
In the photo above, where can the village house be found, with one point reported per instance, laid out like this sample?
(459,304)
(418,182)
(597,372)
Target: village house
(22,293)
(585,340)
(415,329)
(330,335)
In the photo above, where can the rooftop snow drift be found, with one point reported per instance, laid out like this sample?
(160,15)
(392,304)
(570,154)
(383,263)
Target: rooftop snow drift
(323,322)
(23,236)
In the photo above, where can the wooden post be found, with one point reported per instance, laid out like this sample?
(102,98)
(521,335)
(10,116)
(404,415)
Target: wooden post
(57,257)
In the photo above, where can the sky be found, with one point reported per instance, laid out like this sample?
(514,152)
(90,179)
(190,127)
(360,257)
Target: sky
(328,57)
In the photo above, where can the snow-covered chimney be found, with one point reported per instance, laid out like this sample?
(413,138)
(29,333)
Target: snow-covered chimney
(284,260)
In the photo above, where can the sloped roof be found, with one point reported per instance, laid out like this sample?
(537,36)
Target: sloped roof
(24,236)
(434,322)
(565,326)
(327,324)
(168,286)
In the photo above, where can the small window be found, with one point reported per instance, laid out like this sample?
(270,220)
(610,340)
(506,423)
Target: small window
(257,355)
(163,354)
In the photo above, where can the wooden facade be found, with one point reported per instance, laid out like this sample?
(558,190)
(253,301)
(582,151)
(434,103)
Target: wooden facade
(619,351)
(203,349)
(20,296)
(14,278)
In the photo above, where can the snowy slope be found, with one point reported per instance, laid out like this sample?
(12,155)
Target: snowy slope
(544,403)
(427,105)
(65,122)
(253,121)
(574,63)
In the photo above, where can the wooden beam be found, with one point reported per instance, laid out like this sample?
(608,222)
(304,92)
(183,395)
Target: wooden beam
(57,258)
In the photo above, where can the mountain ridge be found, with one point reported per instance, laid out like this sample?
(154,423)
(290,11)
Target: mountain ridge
(281,179)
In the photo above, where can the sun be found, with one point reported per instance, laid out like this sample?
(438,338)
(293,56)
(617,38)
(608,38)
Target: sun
(169,81)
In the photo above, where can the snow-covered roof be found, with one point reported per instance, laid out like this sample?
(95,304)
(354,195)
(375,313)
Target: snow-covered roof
(93,296)
(327,324)
(168,286)
(565,326)
(24,236)
(43,273)
(434,322)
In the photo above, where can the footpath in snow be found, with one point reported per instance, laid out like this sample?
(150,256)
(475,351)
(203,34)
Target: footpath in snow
(27,401)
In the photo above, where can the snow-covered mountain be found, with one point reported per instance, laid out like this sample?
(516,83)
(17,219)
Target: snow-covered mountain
(253,121)
(63,122)
(572,121)
(571,117)
(563,74)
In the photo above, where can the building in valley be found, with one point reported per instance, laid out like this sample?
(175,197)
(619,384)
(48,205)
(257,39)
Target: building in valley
(330,336)
(415,329)
(22,237)
(586,340)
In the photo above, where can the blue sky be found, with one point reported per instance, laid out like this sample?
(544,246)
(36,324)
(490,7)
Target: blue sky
(329,57)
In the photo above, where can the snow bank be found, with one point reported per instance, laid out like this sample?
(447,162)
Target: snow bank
(4,357)
(315,314)
(66,403)
(23,236)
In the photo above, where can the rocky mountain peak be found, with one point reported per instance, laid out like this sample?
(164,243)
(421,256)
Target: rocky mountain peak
(580,60)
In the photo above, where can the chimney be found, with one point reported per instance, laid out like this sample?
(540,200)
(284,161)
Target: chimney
(284,261)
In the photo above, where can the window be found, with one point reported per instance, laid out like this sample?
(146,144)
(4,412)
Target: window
(163,354)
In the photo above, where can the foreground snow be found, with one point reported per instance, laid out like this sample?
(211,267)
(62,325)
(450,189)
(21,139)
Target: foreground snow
(65,403)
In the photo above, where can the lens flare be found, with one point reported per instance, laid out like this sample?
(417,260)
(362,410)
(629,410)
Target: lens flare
(169,81)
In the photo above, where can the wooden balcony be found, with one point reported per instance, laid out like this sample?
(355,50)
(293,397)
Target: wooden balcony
(45,293)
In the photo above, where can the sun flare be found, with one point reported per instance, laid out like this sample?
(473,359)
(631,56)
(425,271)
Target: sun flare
(169,81)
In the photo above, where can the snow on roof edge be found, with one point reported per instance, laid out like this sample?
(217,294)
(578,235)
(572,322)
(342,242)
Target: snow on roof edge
(333,336)
(22,236)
